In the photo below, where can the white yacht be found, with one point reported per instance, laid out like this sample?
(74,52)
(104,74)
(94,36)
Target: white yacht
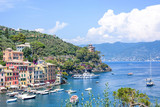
(85,75)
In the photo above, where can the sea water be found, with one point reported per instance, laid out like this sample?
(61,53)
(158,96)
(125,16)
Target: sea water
(116,79)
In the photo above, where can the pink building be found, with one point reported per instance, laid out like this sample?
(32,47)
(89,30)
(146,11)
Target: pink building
(9,55)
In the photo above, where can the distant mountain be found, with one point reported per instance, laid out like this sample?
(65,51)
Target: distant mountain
(129,51)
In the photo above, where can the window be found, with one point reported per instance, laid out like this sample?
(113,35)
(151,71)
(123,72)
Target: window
(24,75)
(15,78)
(10,73)
(2,74)
(1,80)
(10,78)
(21,75)
(15,82)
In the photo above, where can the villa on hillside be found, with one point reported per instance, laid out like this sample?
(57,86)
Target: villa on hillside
(22,46)
(91,48)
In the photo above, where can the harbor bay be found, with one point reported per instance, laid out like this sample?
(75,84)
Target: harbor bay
(116,79)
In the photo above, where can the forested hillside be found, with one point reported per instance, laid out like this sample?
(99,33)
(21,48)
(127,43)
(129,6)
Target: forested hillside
(52,44)
(66,56)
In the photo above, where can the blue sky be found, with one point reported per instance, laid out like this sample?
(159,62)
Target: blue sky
(85,21)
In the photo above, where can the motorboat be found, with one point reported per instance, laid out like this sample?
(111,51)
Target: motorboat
(149,84)
(33,91)
(85,75)
(44,93)
(70,91)
(26,97)
(11,100)
(53,91)
(88,89)
(130,74)
(58,90)
(3,90)
(97,81)
(74,99)
(12,94)
(39,92)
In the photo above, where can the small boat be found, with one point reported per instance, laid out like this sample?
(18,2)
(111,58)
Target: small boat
(12,94)
(44,93)
(58,90)
(46,90)
(112,73)
(39,92)
(88,89)
(149,84)
(53,91)
(74,99)
(11,100)
(97,81)
(85,75)
(70,91)
(33,91)
(26,97)
(129,74)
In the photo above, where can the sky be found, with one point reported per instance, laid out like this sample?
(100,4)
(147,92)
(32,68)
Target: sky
(86,21)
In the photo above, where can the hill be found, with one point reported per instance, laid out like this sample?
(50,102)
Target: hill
(130,51)
(52,44)
(66,56)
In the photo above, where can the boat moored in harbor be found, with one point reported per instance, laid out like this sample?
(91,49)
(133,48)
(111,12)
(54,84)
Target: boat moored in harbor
(11,100)
(85,75)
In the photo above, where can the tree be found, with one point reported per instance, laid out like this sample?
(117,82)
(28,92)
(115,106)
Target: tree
(37,47)
(6,33)
(27,51)
(131,97)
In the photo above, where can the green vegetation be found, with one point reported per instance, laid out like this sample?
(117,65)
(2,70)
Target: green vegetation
(123,97)
(129,96)
(67,57)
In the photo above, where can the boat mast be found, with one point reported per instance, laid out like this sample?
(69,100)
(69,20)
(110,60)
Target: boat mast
(150,68)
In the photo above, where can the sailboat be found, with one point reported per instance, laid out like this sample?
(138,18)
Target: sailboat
(149,80)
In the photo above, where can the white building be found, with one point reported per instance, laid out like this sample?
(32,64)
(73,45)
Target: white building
(22,46)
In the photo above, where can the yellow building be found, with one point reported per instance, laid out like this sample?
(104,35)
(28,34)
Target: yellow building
(30,73)
(39,73)
(22,74)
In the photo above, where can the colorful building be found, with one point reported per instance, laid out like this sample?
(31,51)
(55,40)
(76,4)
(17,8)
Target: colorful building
(22,46)
(2,76)
(30,73)
(39,74)
(51,72)
(10,55)
(8,78)
(23,70)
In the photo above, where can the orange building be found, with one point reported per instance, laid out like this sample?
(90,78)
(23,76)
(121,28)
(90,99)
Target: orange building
(9,55)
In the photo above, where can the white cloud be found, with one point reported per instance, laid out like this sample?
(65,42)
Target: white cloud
(40,30)
(7,4)
(53,30)
(135,26)
(58,26)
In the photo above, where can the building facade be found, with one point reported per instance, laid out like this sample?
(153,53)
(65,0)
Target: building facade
(51,72)
(22,46)
(2,75)
(10,55)
(91,48)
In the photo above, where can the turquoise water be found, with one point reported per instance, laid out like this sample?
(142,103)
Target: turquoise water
(119,79)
